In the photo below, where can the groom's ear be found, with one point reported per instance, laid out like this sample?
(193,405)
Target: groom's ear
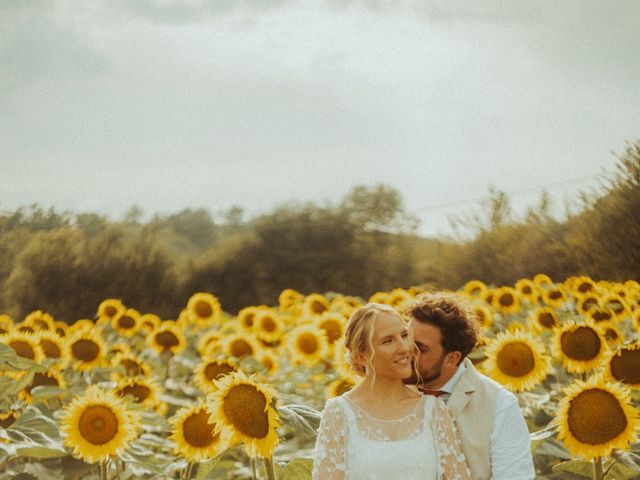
(454,357)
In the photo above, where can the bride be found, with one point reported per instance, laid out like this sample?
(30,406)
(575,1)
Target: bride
(382,429)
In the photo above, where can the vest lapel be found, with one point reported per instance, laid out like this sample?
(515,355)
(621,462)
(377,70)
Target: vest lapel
(465,386)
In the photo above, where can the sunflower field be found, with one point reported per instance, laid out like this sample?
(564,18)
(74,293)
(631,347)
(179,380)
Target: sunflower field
(209,395)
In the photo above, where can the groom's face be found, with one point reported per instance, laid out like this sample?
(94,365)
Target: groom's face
(432,362)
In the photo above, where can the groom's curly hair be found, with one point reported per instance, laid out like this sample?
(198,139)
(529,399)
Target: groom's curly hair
(457,323)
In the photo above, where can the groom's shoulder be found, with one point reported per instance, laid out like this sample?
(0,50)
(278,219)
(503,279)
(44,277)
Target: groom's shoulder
(483,381)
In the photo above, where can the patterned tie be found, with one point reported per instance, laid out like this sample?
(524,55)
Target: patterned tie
(435,393)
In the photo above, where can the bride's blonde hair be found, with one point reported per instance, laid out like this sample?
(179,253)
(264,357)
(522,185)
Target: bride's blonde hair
(358,335)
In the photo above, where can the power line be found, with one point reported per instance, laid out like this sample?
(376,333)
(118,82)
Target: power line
(521,191)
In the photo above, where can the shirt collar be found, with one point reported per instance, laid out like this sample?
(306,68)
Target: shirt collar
(451,384)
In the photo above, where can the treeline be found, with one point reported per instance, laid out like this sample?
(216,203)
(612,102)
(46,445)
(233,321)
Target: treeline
(67,263)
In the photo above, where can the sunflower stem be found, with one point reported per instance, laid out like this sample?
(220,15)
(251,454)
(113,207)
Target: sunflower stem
(269,468)
(103,471)
(598,473)
(254,473)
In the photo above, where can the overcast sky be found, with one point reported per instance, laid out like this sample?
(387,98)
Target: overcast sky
(213,103)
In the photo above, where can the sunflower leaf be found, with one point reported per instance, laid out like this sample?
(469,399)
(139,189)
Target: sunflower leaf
(11,362)
(577,467)
(205,467)
(298,469)
(9,386)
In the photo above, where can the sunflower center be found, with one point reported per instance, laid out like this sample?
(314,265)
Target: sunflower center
(131,367)
(23,349)
(527,290)
(240,348)
(139,392)
(167,339)
(625,366)
(197,430)
(203,309)
(268,324)
(584,287)
(40,379)
(516,359)
(126,322)
(318,307)
(248,319)
(307,343)
(214,370)
(245,407)
(596,417)
(616,306)
(581,344)
(506,299)
(589,303)
(555,295)
(41,324)
(110,311)
(85,350)
(25,329)
(50,349)
(332,329)
(267,362)
(600,315)
(343,387)
(8,420)
(547,319)
(98,424)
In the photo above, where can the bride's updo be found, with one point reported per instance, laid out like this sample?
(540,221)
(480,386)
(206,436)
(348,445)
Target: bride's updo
(358,336)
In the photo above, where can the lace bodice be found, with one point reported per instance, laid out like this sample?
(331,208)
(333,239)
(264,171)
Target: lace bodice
(353,445)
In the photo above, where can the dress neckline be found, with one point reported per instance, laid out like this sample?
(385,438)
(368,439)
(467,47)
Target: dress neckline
(361,409)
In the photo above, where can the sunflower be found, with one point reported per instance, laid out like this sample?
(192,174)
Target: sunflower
(554,297)
(541,280)
(8,418)
(601,315)
(195,438)
(527,289)
(61,328)
(246,317)
(167,338)
(517,360)
(132,366)
(6,324)
(110,308)
(126,323)
(307,345)
(246,409)
(269,361)
(475,288)
(398,297)
(483,315)
(240,345)
(268,326)
(208,342)
(594,417)
(24,345)
(332,324)
(617,305)
(315,304)
(39,320)
(379,297)
(288,298)
(506,300)
(580,345)
(584,285)
(149,322)
(211,369)
(81,325)
(23,328)
(203,309)
(54,348)
(586,303)
(611,333)
(50,378)
(623,365)
(97,425)
(118,348)
(87,350)
(543,319)
(338,387)
(143,391)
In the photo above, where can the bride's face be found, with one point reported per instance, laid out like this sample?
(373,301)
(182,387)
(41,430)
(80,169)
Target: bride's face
(392,347)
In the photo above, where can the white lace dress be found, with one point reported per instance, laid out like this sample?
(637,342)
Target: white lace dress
(353,445)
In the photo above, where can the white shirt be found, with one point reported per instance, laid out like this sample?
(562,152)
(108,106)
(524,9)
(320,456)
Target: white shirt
(510,447)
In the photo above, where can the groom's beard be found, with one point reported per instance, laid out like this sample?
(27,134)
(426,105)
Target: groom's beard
(426,376)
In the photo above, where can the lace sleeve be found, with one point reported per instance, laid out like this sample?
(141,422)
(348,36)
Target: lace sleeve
(452,463)
(329,452)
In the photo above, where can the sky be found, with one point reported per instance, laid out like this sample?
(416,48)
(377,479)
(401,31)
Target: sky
(168,104)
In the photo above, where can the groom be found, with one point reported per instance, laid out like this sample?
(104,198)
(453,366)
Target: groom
(491,427)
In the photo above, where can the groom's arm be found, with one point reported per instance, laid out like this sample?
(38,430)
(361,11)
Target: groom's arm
(510,443)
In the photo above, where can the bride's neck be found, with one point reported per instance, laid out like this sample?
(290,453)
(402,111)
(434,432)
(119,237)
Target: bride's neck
(383,389)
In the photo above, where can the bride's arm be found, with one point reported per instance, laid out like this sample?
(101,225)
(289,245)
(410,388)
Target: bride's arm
(450,456)
(329,452)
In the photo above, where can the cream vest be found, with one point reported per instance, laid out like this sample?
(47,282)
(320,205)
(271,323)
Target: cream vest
(472,404)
